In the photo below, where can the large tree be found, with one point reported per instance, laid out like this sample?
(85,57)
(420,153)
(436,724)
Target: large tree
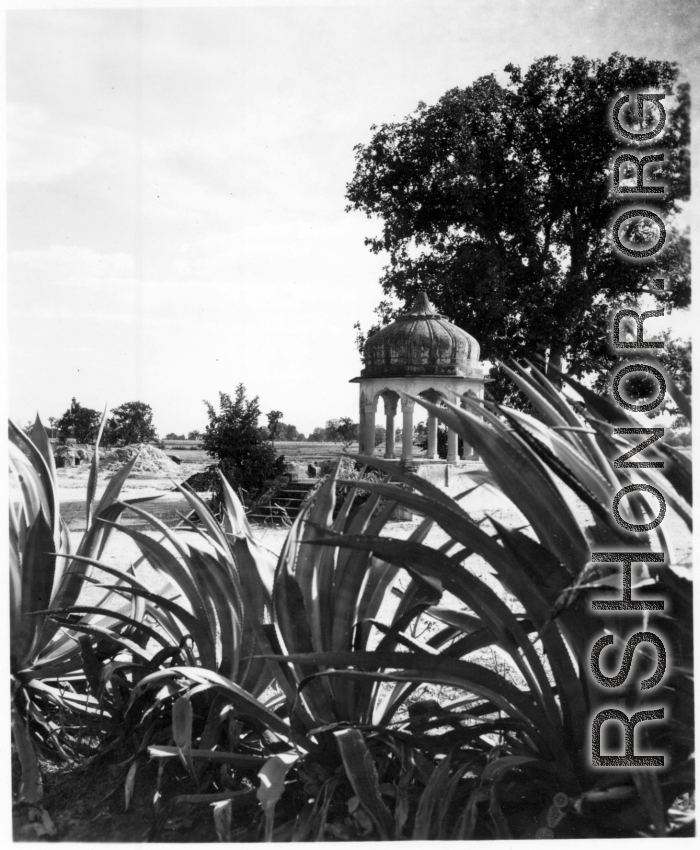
(131,422)
(497,201)
(79,423)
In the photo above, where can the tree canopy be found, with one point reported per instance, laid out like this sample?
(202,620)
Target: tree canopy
(79,423)
(233,437)
(131,422)
(497,202)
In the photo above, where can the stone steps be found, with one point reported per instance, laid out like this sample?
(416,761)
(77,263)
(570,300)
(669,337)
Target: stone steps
(284,505)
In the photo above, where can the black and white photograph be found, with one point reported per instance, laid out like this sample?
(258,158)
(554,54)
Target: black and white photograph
(349,386)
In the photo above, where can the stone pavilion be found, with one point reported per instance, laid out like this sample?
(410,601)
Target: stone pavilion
(423,354)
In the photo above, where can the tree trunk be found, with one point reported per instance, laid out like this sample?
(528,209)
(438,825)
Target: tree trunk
(555,361)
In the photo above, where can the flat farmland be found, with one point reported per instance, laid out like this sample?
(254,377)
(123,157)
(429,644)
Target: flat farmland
(301,452)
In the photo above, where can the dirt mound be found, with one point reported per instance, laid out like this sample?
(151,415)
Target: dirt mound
(151,462)
(203,482)
(74,455)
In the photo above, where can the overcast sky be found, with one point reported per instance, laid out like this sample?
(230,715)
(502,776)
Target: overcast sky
(176,183)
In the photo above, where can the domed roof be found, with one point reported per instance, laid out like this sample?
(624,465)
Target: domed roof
(420,342)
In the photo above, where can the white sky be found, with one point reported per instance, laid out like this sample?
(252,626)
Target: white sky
(176,184)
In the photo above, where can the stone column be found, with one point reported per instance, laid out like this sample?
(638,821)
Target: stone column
(451,446)
(370,410)
(361,430)
(407,406)
(390,413)
(467,450)
(432,436)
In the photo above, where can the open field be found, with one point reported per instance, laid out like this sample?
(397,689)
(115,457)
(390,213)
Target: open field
(484,502)
(299,452)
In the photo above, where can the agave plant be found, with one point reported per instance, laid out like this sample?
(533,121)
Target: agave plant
(48,661)
(525,737)
(296,679)
(195,688)
(238,707)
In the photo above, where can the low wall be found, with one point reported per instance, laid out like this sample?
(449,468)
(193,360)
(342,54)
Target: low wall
(456,478)
(164,508)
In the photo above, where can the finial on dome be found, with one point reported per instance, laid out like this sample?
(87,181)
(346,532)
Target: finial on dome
(421,306)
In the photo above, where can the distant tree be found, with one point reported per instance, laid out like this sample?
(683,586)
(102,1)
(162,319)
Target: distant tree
(172,436)
(420,431)
(289,433)
(379,435)
(347,429)
(332,426)
(195,435)
(318,435)
(497,202)
(233,438)
(78,423)
(274,418)
(131,422)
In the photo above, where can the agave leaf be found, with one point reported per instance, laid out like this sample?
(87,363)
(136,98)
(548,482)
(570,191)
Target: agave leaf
(430,798)
(256,571)
(64,698)
(164,561)
(94,468)
(272,775)
(241,760)
(577,465)
(415,482)
(38,564)
(215,535)
(525,481)
(114,486)
(72,576)
(466,675)
(679,471)
(129,784)
(106,633)
(111,614)
(182,731)
(543,404)
(244,702)
(428,564)
(451,518)
(586,441)
(352,577)
(235,519)
(309,561)
(382,574)
(221,591)
(600,509)
(198,630)
(71,664)
(31,789)
(291,620)
(572,695)
(43,471)
(43,446)
(362,773)
(34,497)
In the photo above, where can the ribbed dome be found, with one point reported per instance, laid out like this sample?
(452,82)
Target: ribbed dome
(420,342)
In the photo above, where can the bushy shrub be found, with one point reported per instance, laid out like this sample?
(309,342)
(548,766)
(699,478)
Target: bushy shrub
(441,443)
(247,461)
